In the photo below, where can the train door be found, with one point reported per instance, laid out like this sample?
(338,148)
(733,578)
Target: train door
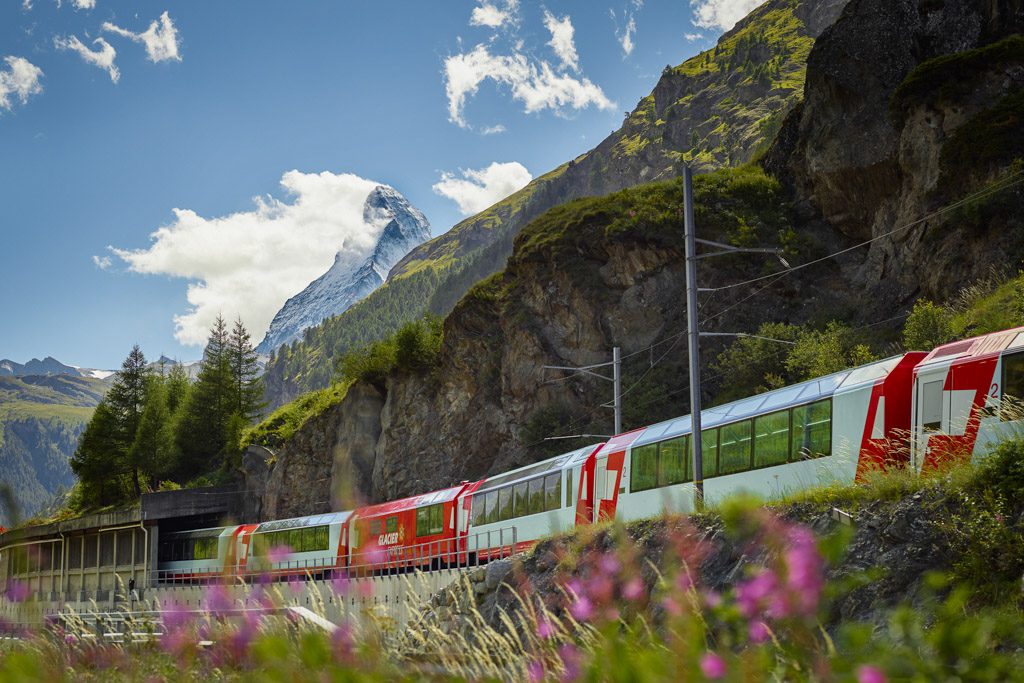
(931,412)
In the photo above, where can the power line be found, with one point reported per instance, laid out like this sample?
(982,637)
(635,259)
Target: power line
(998,186)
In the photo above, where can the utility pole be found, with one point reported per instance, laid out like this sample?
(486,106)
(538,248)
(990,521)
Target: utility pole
(693,334)
(615,379)
(693,327)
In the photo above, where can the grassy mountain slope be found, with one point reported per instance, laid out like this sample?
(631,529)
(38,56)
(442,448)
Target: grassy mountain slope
(717,109)
(41,419)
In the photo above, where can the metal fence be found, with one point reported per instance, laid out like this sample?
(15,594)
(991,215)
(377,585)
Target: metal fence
(473,550)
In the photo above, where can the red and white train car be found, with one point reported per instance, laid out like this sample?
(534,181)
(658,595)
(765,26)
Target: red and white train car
(833,428)
(411,533)
(967,398)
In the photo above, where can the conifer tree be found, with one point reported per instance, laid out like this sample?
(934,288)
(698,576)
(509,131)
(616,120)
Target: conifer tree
(245,374)
(100,481)
(126,399)
(201,431)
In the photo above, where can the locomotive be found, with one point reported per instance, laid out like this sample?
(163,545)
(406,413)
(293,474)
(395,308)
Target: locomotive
(920,410)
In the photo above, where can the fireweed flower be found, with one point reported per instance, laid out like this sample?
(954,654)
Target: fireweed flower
(758,631)
(17,591)
(571,660)
(582,609)
(218,599)
(343,643)
(672,607)
(279,553)
(545,629)
(535,671)
(870,674)
(633,589)
(712,666)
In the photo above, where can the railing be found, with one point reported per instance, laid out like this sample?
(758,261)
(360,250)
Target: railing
(474,550)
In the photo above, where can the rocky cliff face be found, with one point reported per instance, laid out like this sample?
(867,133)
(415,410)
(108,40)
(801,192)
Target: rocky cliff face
(895,90)
(401,227)
(908,108)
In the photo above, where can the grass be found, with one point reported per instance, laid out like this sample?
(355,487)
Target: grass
(602,604)
(282,424)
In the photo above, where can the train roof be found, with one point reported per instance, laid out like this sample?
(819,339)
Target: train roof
(778,399)
(982,345)
(411,503)
(200,533)
(300,522)
(554,464)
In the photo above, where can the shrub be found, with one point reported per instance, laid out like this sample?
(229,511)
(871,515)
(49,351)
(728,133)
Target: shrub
(927,326)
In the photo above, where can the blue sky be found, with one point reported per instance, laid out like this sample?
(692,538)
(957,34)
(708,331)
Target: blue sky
(214,103)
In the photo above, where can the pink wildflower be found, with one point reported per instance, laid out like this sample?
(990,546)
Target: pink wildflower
(751,595)
(545,629)
(870,674)
(804,570)
(278,554)
(633,590)
(571,661)
(17,591)
(218,599)
(582,609)
(672,607)
(601,588)
(609,564)
(712,599)
(683,582)
(712,666)
(758,631)
(535,671)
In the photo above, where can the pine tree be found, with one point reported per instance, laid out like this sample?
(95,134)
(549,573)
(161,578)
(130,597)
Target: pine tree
(200,433)
(152,452)
(100,480)
(245,374)
(126,399)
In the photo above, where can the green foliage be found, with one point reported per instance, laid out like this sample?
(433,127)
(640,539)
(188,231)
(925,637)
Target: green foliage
(752,365)
(781,354)
(950,77)
(414,347)
(824,352)
(927,326)
(280,425)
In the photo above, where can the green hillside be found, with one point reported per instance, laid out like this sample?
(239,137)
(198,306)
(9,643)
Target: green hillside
(41,419)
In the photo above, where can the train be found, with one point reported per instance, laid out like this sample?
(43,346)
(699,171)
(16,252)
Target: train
(922,410)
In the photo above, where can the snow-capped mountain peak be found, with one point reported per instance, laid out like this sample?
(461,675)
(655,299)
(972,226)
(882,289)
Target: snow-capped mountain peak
(401,227)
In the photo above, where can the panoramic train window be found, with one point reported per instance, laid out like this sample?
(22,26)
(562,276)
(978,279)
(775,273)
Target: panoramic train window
(492,507)
(205,548)
(391,525)
(479,510)
(812,430)
(375,527)
(522,499)
(553,491)
(1013,388)
(536,496)
(734,447)
(709,452)
(643,473)
(504,503)
(672,461)
(771,439)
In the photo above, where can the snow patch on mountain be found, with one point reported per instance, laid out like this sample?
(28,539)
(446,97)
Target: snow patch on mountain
(352,277)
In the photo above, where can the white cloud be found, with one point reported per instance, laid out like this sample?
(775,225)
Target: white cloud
(626,37)
(84,4)
(478,189)
(19,79)
(160,39)
(26,5)
(562,40)
(721,14)
(694,37)
(103,57)
(248,263)
(493,130)
(488,14)
(102,262)
(536,85)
